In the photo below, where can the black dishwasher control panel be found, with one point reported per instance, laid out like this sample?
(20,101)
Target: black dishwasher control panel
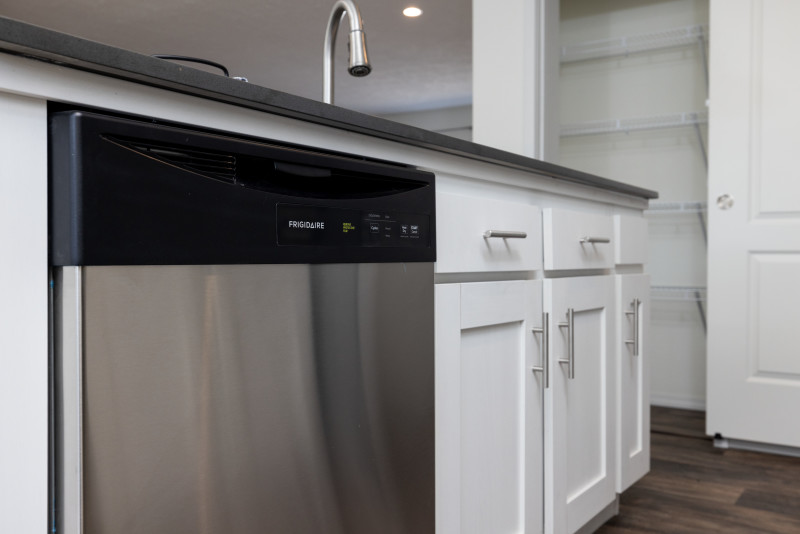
(300,225)
(127,191)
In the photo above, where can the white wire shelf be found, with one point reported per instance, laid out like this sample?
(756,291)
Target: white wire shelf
(624,46)
(634,124)
(678,293)
(669,208)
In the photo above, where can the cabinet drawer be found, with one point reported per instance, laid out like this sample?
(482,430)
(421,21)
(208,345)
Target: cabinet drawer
(462,246)
(577,240)
(630,234)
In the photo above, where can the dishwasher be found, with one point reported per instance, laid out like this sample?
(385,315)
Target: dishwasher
(242,334)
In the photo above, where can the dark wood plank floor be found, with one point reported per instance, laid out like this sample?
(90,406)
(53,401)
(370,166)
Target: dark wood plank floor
(694,487)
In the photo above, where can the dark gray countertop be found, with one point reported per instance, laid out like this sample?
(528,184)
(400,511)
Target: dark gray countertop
(39,43)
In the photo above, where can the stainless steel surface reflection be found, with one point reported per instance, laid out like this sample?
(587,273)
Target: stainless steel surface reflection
(257,399)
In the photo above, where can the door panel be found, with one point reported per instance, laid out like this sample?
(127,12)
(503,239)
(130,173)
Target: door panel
(245,398)
(580,412)
(633,374)
(587,421)
(773,319)
(492,428)
(776,107)
(754,243)
(489,415)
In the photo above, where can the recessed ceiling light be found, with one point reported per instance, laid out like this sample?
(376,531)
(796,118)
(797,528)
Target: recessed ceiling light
(412,12)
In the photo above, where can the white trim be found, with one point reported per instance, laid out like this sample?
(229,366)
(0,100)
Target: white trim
(767,448)
(668,401)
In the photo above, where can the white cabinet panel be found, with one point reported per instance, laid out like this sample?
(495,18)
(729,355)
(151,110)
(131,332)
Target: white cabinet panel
(492,433)
(630,240)
(489,418)
(580,405)
(461,224)
(23,314)
(577,240)
(633,379)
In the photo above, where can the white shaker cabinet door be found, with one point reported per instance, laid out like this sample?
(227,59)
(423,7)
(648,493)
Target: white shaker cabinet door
(489,411)
(633,379)
(580,412)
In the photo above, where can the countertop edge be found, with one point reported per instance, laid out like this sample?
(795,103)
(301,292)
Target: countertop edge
(38,43)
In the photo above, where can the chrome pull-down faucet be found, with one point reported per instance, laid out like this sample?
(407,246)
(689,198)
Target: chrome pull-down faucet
(357,43)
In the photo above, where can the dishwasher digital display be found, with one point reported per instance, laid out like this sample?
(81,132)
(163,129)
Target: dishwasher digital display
(299,225)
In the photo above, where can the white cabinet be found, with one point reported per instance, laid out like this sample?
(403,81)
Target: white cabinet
(541,418)
(464,246)
(489,411)
(633,379)
(630,236)
(577,240)
(580,423)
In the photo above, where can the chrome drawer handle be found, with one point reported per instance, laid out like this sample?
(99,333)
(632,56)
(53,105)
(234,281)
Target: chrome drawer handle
(570,359)
(635,314)
(589,239)
(545,331)
(505,234)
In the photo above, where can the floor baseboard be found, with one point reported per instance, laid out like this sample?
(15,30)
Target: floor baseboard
(678,402)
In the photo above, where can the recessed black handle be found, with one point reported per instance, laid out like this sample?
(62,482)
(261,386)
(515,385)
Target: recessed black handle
(302,170)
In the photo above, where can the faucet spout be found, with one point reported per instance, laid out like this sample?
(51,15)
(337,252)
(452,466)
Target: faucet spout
(358,64)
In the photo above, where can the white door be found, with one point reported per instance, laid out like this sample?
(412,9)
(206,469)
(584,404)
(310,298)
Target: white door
(754,222)
(633,379)
(580,407)
(489,408)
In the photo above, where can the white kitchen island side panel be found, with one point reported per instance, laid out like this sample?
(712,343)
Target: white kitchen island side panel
(23,314)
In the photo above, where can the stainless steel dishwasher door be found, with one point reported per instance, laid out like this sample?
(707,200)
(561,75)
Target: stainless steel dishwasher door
(247,399)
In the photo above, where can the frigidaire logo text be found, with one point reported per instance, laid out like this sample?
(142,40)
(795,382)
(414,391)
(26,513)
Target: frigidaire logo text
(309,225)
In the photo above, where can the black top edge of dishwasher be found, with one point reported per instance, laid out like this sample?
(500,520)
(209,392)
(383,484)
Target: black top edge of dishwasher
(128,192)
(39,43)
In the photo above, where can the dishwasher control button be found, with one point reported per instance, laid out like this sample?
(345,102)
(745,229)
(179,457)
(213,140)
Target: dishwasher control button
(414,229)
(404,229)
(388,231)
(374,228)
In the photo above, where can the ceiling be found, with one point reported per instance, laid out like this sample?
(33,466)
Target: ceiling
(418,64)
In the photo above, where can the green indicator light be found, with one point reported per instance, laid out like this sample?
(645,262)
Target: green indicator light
(348,227)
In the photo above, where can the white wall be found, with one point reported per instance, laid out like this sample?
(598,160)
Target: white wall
(669,161)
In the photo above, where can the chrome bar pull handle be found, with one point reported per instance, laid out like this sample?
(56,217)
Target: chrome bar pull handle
(570,359)
(545,331)
(504,234)
(635,313)
(590,239)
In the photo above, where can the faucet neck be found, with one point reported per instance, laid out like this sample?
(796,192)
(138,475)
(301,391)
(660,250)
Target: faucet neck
(340,9)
